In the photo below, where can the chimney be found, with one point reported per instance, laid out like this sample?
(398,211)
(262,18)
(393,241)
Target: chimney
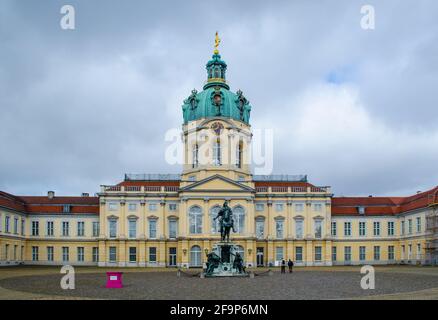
(370,196)
(85,194)
(51,194)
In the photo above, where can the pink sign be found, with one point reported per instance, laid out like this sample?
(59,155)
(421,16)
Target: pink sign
(114,280)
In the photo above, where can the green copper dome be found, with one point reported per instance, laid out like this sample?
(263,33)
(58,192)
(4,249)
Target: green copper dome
(216,100)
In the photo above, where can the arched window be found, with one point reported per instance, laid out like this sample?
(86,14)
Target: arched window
(240,250)
(195,152)
(239,219)
(195,220)
(217,153)
(215,225)
(195,256)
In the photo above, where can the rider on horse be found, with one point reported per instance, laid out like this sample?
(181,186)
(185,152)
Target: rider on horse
(226,220)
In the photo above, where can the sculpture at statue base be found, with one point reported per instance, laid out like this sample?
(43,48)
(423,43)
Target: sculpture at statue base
(225,260)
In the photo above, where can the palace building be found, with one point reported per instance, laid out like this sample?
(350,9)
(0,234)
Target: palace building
(152,220)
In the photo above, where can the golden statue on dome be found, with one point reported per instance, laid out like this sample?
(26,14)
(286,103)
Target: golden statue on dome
(217,40)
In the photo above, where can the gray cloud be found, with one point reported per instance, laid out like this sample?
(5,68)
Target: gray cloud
(351,108)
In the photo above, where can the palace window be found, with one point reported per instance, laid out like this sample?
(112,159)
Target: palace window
(81,228)
(65,254)
(22,227)
(390,228)
(279,207)
(299,207)
(362,253)
(215,225)
(418,251)
(376,253)
(376,228)
(112,254)
(80,254)
(132,228)
(260,228)
(7,219)
(409,251)
(418,224)
(152,207)
(334,229)
(334,254)
(35,228)
(195,220)
(318,229)
(279,253)
(391,254)
(132,207)
(95,254)
(239,219)
(347,253)
(65,228)
(362,228)
(16,225)
(402,227)
(299,254)
(217,153)
(35,252)
(152,254)
(347,229)
(410,226)
(153,228)
(317,207)
(318,253)
(279,227)
(195,256)
(299,224)
(49,228)
(173,228)
(113,228)
(132,254)
(112,206)
(49,253)
(96,227)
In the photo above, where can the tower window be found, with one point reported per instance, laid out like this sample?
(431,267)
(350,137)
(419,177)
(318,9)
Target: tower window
(239,155)
(195,156)
(217,153)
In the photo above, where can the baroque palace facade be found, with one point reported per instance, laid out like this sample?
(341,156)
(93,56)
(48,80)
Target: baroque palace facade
(167,220)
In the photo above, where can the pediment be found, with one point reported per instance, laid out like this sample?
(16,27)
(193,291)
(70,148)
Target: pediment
(217,183)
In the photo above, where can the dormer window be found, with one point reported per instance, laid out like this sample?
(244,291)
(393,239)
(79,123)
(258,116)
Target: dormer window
(361,209)
(66,208)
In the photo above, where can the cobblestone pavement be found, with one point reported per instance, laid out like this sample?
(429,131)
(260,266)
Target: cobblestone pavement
(304,283)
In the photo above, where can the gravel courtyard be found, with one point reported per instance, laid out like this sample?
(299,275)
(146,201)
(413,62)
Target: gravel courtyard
(304,283)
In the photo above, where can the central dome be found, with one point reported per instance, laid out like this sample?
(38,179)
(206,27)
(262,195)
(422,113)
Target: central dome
(216,100)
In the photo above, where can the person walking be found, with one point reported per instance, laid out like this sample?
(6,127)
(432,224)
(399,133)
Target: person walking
(283,266)
(290,264)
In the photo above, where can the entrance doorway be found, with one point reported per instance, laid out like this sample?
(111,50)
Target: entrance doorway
(172,257)
(260,259)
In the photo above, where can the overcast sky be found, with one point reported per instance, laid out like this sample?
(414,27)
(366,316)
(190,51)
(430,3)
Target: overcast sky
(351,108)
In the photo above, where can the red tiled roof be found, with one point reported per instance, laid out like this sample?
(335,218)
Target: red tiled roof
(381,205)
(41,204)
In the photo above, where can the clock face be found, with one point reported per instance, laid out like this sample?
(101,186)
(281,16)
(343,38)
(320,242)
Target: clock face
(217,127)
